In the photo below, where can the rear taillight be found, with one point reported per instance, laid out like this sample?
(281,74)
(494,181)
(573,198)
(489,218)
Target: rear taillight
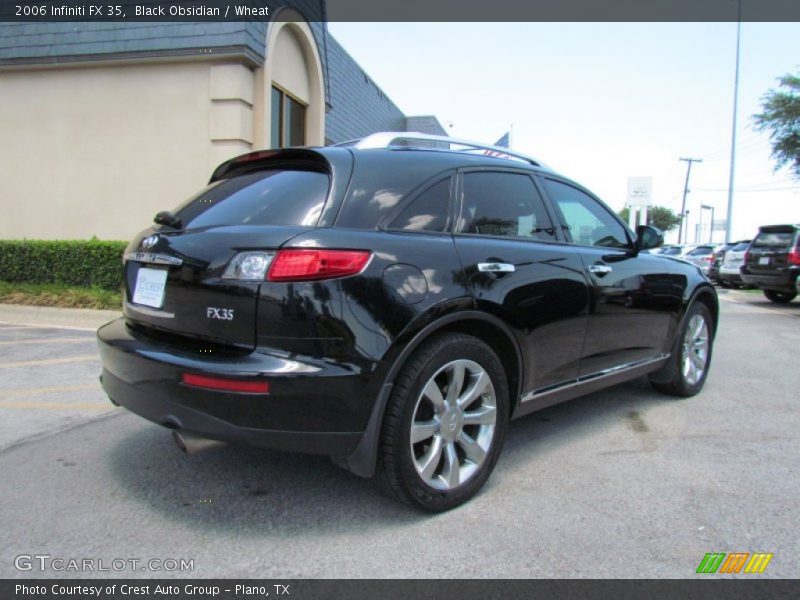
(304,264)
(793,258)
(746,257)
(226,385)
(710,258)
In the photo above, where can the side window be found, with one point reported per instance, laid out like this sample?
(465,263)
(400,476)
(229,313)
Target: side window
(588,222)
(504,204)
(428,212)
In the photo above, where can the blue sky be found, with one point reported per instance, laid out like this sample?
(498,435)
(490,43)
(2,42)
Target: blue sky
(601,102)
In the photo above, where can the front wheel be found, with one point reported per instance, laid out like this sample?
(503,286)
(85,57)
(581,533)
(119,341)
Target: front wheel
(779,297)
(687,369)
(445,423)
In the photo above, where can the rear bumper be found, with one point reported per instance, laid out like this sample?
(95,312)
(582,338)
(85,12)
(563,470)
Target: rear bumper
(313,406)
(729,274)
(780,280)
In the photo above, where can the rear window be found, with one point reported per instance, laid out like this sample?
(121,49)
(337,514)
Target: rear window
(271,197)
(672,251)
(740,247)
(774,239)
(702,251)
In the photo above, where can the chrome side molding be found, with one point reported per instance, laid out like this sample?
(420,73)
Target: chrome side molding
(593,377)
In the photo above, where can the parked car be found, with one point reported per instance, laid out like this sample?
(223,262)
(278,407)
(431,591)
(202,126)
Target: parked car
(773,262)
(394,307)
(719,255)
(729,275)
(676,250)
(701,257)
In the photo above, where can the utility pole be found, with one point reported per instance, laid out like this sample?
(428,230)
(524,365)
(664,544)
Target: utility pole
(689,162)
(729,217)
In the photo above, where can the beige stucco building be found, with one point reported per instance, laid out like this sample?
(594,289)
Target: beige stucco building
(96,142)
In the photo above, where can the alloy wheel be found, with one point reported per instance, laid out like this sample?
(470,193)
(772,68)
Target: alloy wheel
(452,428)
(695,349)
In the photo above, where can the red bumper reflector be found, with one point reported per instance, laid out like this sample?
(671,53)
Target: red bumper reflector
(227,385)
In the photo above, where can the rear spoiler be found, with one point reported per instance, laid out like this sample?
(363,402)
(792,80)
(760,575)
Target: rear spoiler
(261,159)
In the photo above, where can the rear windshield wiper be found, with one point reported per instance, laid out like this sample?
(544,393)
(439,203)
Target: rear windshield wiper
(167,218)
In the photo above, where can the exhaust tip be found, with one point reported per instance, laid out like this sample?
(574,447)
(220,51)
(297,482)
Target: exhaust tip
(192,444)
(179,440)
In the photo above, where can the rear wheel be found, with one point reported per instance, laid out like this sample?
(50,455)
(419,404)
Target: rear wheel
(445,423)
(779,297)
(687,369)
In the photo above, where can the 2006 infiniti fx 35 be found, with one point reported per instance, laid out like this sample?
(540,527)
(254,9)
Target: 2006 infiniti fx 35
(393,302)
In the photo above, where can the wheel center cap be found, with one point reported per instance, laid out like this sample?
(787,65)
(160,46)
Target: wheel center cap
(451,425)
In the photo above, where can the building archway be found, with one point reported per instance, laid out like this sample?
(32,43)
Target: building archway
(290,103)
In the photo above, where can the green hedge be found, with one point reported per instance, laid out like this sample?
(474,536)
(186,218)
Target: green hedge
(91,263)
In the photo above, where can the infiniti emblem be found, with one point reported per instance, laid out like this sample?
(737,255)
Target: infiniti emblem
(453,423)
(149,242)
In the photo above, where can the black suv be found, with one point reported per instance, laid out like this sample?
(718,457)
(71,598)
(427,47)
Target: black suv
(393,303)
(772,262)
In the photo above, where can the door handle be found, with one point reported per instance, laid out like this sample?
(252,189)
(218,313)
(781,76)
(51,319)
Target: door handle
(600,270)
(496,267)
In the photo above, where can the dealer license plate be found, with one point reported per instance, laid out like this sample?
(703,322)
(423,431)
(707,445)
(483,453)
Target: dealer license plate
(150,287)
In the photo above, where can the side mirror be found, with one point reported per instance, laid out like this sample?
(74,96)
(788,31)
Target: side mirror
(648,237)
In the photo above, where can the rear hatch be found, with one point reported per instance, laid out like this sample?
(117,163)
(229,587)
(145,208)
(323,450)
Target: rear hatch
(176,282)
(770,249)
(734,258)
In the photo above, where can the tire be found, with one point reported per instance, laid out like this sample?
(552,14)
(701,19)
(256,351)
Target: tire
(724,284)
(677,378)
(779,297)
(451,459)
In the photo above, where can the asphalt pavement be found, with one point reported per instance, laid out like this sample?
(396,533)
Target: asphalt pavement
(621,483)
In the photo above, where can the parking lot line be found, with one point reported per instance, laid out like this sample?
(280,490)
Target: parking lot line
(4,394)
(66,340)
(49,361)
(32,404)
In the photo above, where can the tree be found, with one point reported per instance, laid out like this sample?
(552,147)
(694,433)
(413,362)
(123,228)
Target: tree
(781,117)
(657,216)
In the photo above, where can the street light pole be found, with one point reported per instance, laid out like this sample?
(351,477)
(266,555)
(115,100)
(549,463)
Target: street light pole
(729,218)
(685,191)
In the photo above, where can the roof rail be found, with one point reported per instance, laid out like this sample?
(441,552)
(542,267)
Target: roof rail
(403,139)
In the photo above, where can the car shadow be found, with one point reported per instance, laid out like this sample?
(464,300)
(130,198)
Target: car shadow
(258,492)
(760,301)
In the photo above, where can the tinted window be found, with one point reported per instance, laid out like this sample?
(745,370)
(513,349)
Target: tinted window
(740,247)
(589,223)
(773,239)
(672,251)
(262,198)
(504,204)
(701,251)
(379,184)
(428,212)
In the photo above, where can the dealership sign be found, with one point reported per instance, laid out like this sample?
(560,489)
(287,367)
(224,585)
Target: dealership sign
(640,191)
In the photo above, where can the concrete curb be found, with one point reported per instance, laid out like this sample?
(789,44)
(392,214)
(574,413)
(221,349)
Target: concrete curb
(48,316)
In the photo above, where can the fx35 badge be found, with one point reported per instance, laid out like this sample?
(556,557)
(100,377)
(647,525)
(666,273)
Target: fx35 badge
(223,314)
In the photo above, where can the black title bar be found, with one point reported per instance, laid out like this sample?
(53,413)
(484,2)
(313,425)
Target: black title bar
(393,589)
(401,10)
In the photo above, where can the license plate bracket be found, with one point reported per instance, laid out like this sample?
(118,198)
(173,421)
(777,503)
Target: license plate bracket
(150,287)
(764,260)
